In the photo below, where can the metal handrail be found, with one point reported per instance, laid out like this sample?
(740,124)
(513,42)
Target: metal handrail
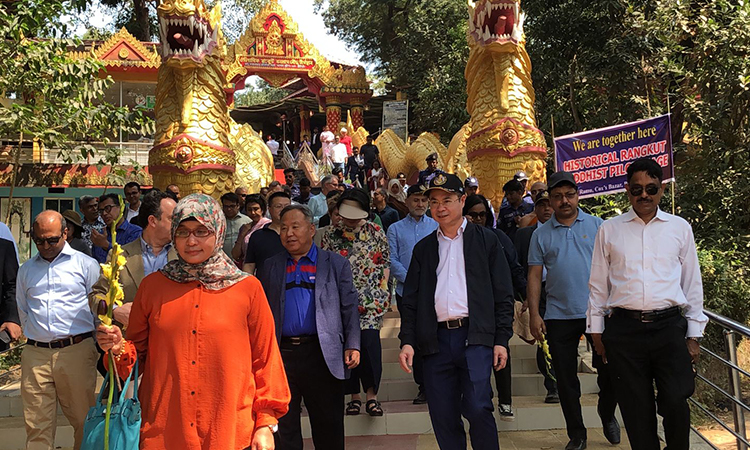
(728,323)
(731,328)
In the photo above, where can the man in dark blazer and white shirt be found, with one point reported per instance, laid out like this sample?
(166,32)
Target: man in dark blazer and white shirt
(315,307)
(457,309)
(9,320)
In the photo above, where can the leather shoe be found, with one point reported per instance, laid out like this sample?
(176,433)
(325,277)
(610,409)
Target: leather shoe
(611,431)
(420,399)
(576,444)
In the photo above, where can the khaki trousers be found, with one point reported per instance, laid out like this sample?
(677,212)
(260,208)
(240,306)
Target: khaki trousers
(67,375)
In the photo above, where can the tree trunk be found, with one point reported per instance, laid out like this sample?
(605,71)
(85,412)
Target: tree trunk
(14,177)
(142,30)
(572,96)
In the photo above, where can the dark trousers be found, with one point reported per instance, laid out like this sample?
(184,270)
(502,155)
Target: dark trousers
(457,382)
(370,367)
(547,371)
(641,354)
(503,383)
(310,379)
(563,337)
(417,367)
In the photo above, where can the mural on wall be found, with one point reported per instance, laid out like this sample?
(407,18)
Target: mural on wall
(19,224)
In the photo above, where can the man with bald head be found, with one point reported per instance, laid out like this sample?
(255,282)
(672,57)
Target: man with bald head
(58,363)
(532,219)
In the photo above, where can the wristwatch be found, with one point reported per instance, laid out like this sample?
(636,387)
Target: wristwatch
(274,428)
(696,339)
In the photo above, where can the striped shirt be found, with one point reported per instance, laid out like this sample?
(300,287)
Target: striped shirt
(299,304)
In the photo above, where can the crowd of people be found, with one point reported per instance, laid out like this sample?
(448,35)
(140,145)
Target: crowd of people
(242,310)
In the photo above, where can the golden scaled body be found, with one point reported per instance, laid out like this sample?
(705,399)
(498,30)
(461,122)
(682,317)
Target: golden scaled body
(409,159)
(501,137)
(194,146)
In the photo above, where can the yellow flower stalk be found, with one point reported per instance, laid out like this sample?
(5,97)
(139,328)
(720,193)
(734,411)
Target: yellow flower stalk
(107,302)
(547,357)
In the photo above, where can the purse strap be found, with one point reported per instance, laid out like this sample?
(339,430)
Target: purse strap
(133,376)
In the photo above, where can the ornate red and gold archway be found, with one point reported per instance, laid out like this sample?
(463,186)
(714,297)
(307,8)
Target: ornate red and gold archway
(273,48)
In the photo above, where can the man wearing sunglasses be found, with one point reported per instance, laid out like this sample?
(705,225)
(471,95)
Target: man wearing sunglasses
(58,362)
(563,246)
(646,310)
(109,209)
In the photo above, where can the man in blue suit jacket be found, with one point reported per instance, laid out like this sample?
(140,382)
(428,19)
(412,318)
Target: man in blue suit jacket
(315,308)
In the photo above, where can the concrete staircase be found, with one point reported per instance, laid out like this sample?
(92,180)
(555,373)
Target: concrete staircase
(396,393)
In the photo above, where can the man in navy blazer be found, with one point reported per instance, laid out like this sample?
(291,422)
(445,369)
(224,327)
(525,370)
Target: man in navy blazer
(315,308)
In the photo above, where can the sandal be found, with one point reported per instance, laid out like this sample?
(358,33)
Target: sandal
(353,407)
(373,408)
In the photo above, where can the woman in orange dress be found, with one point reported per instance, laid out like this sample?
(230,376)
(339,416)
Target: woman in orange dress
(213,378)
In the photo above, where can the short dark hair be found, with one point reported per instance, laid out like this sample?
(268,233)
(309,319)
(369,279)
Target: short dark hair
(648,165)
(274,183)
(276,195)
(151,206)
(289,170)
(132,184)
(337,170)
(257,198)
(304,182)
(230,197)
(301,208)
(332,194)
(513,186)
(112,196)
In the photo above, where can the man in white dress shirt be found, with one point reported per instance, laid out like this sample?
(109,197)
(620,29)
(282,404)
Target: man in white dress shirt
(645,310)
(458,312)
(59,360)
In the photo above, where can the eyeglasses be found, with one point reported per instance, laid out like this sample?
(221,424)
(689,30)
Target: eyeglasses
(107,209)
(637,190)
(434,204)
(199,233)
(231,206)
(51,241)
(477,215)
(568,195)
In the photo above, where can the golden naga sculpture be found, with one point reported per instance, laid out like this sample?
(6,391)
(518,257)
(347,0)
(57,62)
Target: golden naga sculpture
(398,156)
(501,137)
(197,146)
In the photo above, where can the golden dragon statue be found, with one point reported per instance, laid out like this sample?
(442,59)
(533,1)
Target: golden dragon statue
(197,145)
(501,136)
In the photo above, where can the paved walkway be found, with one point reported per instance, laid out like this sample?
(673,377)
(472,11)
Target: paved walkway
(510,440)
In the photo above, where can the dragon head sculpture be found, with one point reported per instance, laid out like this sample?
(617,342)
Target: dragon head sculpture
(188,32)
(191,145)
(501,137)
(496,25)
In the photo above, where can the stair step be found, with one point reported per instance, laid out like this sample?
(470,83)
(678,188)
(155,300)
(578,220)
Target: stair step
(400,417)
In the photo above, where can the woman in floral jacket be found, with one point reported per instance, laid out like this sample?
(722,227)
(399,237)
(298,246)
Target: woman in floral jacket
(365,245)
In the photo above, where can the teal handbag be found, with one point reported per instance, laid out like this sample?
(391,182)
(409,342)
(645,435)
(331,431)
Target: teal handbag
(124,421)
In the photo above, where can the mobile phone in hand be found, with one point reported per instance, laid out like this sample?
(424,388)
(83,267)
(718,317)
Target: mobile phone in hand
(5,337)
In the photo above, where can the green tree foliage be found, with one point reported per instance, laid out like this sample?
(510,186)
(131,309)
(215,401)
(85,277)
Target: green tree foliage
(258,93)
(51,97)
(139,16)
(419,45)
(609,61)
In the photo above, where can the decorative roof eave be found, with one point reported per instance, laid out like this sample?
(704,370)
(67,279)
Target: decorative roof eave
(145,56)
(68,175)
